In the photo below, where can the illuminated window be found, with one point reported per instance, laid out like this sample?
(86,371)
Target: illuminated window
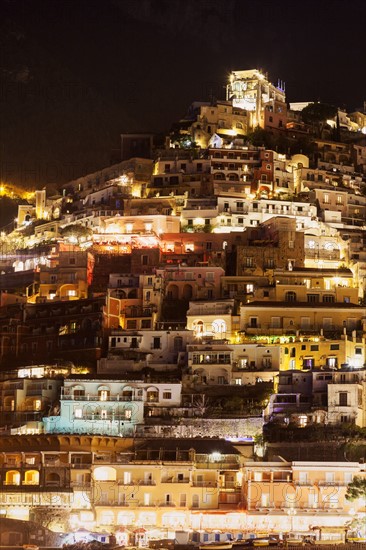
(72,293)
(303,420)
(128,414)
(78,413)
(198,328)
(103,394)
(105,473)
(31,477)
(219,326)
(12,477)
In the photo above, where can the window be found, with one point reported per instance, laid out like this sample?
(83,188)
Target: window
(72,261)
(336,347)
(156,342)
(314,347)
(72,293)
(104,395)
(290,296)
(167,395)
(78,413)
(326,198)
(343,399)
(269,263)
(249,262)
(339,199)
(313,298)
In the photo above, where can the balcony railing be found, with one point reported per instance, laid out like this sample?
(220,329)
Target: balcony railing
(91,397)
(175,480)
(204,484)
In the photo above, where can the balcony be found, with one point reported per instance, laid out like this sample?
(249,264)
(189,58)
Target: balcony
(107,417)
(139,482)
(35,392)
(204,484)
(175,480)
(91,397)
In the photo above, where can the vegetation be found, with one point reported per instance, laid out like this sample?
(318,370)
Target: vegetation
(356,489)
(53,518)
(316,115)
(76,231)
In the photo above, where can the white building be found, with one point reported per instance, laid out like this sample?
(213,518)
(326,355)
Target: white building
(110,407)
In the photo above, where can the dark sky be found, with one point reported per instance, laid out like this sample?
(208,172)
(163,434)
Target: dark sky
(77,73)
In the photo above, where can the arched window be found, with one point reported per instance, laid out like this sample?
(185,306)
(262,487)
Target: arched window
(12,477)
(198,328)
(78,391)
(152,395)
(127,393)
(105,473)
(104,393)
(53,480)
(31,477)
(219,327)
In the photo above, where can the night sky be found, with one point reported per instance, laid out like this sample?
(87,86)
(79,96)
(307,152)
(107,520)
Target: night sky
(75,74)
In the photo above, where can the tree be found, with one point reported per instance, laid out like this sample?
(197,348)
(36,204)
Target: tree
(53,518)
(76,233)
(316,115)
(356,489)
